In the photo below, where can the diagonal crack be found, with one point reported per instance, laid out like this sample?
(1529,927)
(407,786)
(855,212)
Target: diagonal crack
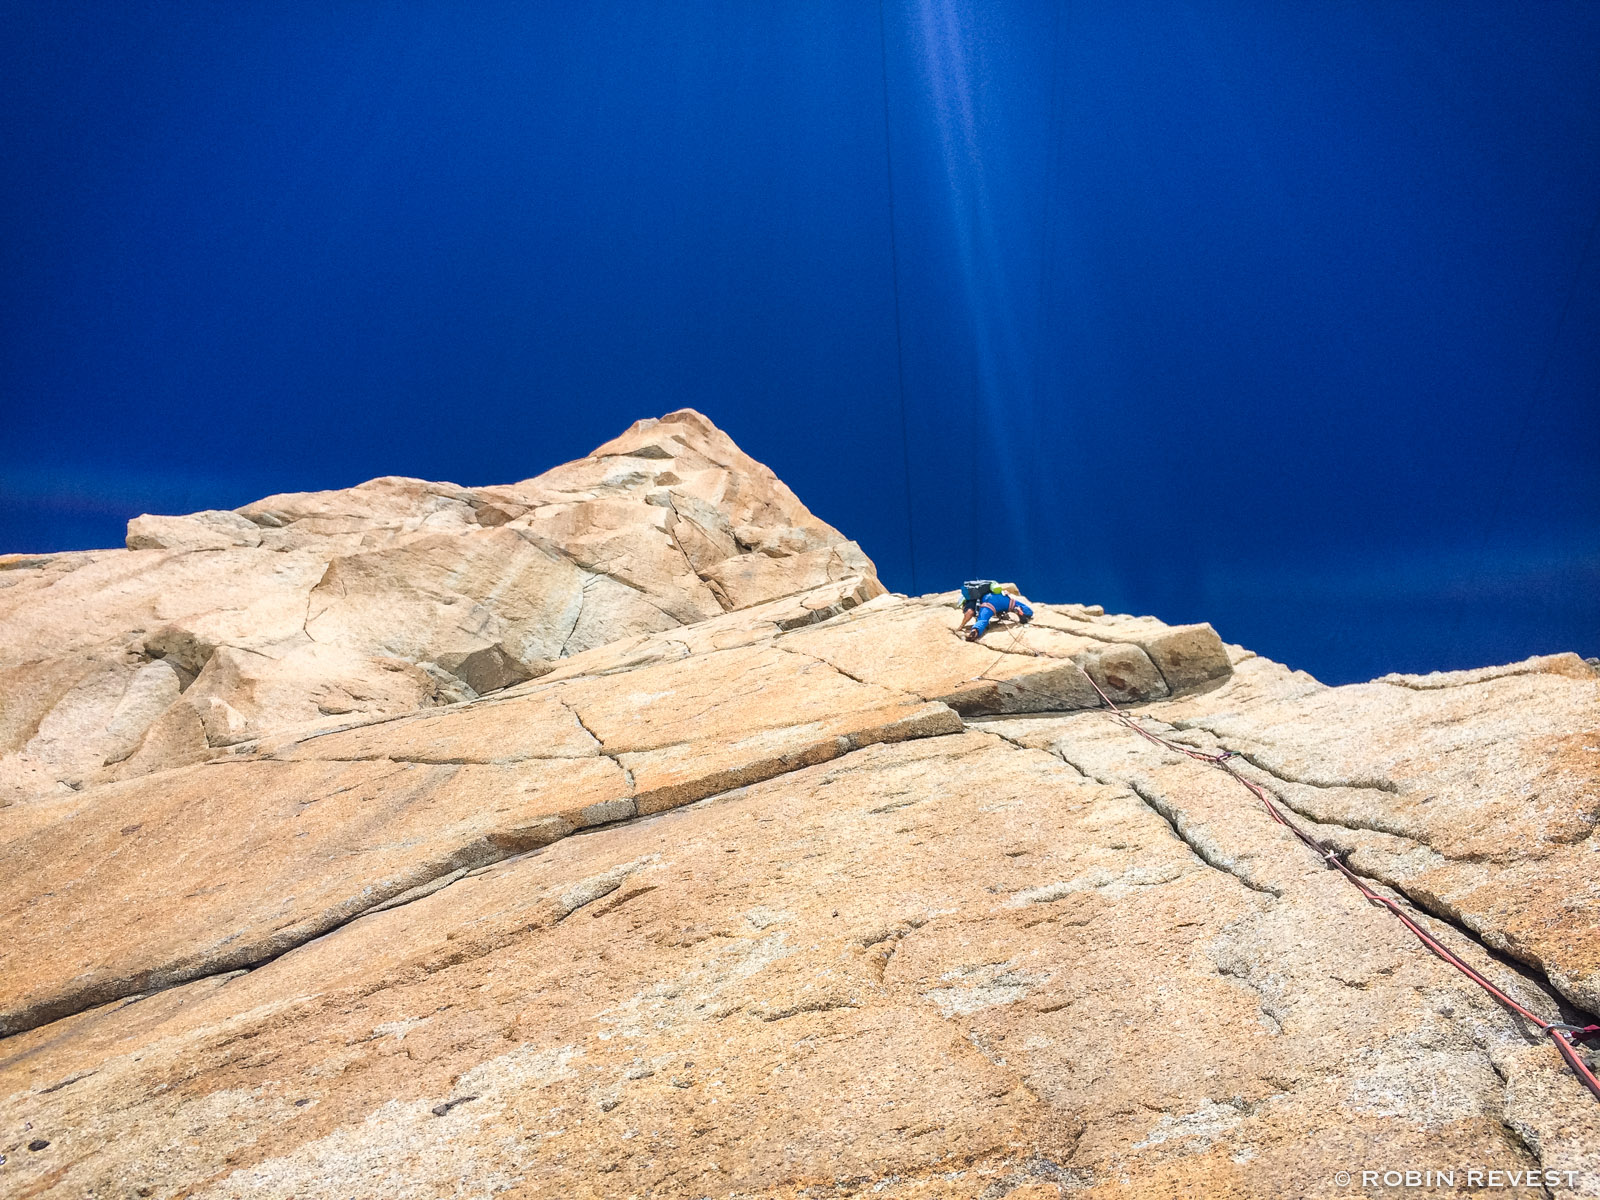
(1514,1133)
(593,569)
(1373,784)
(1425,903)
(1472,927)
(1051,751)
(711,585)
(1418,838)
(1176,819)
(1428,905)
(441,871)
(250,954)
(599,744)
(1425,908)
(829,663)
(1210,855)
(1240,972)
(583,596)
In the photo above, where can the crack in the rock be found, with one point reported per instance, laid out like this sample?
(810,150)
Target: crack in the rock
(711,586)
(805,1006)
(539,542)
(1375,784)
(1416,838)
(1516,1135)
(492,849)
(1524,964)
(982,727)
(1173,817)
(305,621)
(559,909)
(583,596)
(833,666)
(1430,906)
(630,894)
(421,761)
(1166,813)
(599,744)
(1354,826)
(1436,908)
(275,944)
(1156,806)
(422,890)
(1011,648)
(594,569)
(530,687)
(1529,968)
(1262,1000)
(67,1082)
(889,940)
(1083,633)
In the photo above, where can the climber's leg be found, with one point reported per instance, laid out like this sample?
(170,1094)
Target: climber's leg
(986,613)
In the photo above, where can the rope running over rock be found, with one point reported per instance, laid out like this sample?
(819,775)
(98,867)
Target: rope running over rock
(1565,1036)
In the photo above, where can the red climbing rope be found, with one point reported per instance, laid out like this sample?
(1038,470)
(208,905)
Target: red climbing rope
(1010,648)
(1565,1036)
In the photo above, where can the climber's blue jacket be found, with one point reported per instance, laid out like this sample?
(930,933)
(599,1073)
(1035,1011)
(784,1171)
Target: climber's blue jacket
(992,605)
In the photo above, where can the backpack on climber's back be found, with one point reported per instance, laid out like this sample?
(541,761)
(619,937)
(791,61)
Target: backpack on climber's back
(974,590)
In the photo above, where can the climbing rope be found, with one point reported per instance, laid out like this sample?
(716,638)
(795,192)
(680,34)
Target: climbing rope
(1563,1035)
(1009,648)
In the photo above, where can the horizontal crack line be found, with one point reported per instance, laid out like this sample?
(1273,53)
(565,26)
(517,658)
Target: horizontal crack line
(492,848)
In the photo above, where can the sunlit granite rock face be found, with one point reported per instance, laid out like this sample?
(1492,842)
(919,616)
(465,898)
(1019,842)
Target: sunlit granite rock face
(614,834)
(303,611)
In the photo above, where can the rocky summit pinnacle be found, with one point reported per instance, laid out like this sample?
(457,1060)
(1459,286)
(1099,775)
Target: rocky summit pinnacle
(614,833)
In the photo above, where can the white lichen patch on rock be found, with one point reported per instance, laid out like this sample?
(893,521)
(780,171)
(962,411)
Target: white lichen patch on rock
(969,989)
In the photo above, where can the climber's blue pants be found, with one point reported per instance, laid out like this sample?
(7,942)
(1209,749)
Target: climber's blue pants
(992,606)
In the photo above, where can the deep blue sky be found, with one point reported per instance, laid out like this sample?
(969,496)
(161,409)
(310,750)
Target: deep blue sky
(1282,316)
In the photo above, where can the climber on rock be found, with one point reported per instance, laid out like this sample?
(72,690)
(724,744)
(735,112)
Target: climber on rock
(982,600)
